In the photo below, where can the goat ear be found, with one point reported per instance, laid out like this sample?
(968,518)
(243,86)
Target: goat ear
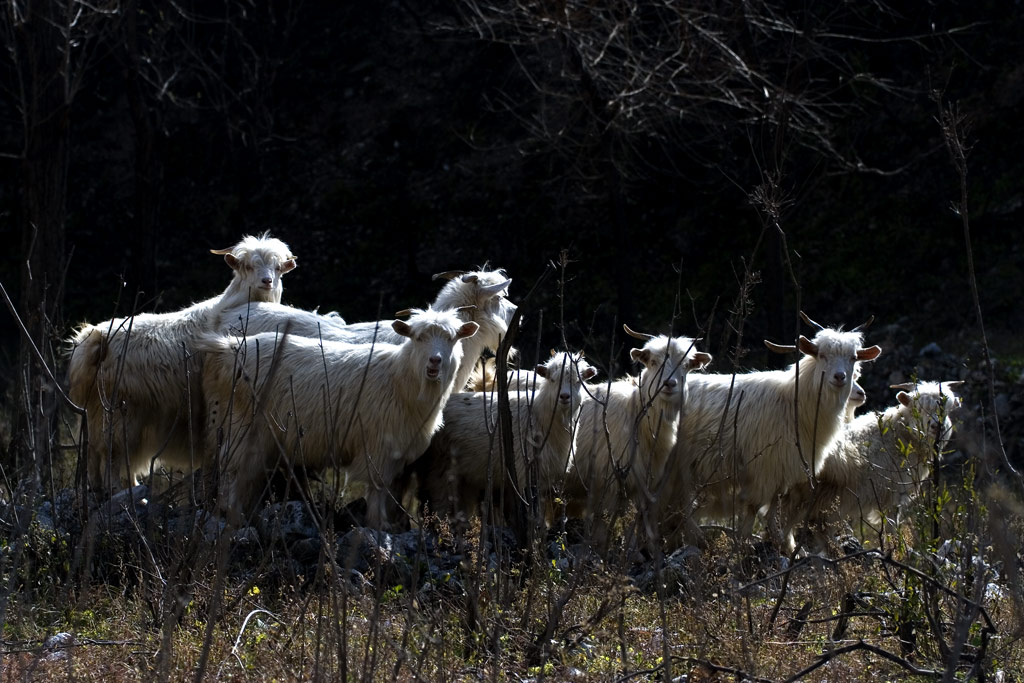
(588,373)
(870,353)
(903,397)
(289,265)
(640,355)
(233,262)
(541,370)
(468,329)
(699,360)
(401,327)
(807,347)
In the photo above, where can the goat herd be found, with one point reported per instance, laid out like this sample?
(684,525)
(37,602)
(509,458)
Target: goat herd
(250,388)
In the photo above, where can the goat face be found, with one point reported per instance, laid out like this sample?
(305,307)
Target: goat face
(567,374)
(490,292)
(267,269)
(836,356)
(436,338)
(666,363)
(927,413)
(479,295)
(259,262)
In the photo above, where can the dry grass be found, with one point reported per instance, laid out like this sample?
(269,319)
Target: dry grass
(733,614)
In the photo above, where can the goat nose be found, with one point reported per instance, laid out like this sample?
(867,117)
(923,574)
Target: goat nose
(671,382)
(564,396)
(268,280)
(840,376)
(435,359)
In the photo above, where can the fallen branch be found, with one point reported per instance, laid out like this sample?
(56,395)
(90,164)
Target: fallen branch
(861,645)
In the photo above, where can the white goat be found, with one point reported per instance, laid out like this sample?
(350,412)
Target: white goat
(747,438)
(878,464)
(138,378)
(629,428)
(464,458)
(371,408)
(478,297)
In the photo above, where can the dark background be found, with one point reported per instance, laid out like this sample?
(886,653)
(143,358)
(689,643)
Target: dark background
(665,153)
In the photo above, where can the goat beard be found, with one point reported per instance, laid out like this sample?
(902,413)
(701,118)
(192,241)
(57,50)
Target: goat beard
(430,388)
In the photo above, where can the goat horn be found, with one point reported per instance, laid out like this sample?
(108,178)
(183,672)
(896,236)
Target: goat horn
(496,288)
(463,309)
(905,386)
(637,335)
(954,383)
(221,252)
(864,325)
(448,275)
(780,348)
(404,312)
(810,322)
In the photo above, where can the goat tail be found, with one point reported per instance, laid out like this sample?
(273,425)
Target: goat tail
(88,348)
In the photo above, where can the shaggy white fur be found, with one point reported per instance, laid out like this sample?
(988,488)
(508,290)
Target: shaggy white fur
(745,439)
(371,408)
